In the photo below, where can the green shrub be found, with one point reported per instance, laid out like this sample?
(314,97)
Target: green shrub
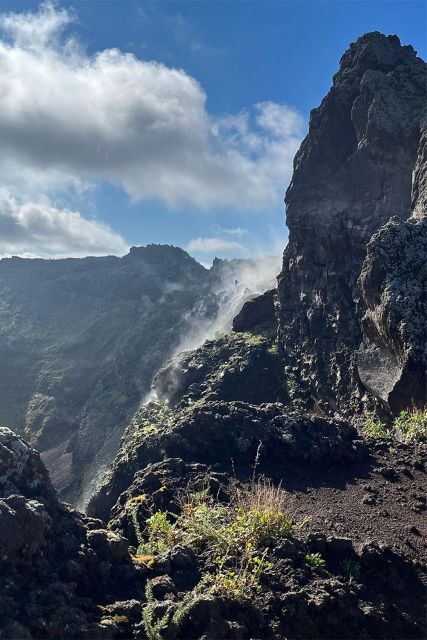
(314,560)
(236,537)
(411,426)
(240,581)
(258,527)
(375,429)
(255,516)
(161,534)
(169,624)
(153,628)
(202,519)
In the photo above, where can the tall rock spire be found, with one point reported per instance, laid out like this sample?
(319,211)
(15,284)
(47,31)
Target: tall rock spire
(352,173)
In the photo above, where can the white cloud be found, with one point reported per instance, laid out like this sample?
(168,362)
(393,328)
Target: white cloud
(35,229)
(36,30)
(239,232)
(68,117)
(278,119)
(212,245)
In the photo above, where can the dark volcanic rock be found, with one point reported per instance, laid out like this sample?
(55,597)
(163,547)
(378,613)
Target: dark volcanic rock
(239,366)
(56,568)
(351,174)
(21,470)
(392,361)
(227,434)
(255,312)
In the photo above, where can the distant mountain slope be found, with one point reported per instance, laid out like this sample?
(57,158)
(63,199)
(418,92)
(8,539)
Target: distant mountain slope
(80,340)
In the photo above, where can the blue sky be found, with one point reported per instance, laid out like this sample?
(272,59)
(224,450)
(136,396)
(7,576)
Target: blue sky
(250,73)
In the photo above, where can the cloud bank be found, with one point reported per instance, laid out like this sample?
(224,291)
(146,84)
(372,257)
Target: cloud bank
(212,245)
(37,229)
(70,117)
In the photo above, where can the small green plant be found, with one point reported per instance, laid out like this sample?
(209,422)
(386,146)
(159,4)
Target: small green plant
(314,560)
(241,580)
(375,429)
(204,524)
(153,628)
(411,426)
(259,528)
(351,567)
(234,538)
(170,622)
(255,516)
(161,534)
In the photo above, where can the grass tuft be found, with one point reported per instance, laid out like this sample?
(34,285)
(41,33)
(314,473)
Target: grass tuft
(411,426)
(376,429)
(237,537)
(314,560)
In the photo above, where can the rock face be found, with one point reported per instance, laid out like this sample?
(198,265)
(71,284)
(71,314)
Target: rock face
(21,470)
(352,173)
(228,434)
(57,565)
(81,339)
(255,312)
(392,362)
(240,366)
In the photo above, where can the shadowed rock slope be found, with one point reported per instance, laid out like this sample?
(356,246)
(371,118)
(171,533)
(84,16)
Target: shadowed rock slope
(58,566)
(80,341)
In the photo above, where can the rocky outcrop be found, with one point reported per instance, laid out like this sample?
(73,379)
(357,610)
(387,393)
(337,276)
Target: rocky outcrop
(419,186)
(21,470)
(60,569)
(240,366)
(256,312)
(351,174)
(228,435)
(392,362)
